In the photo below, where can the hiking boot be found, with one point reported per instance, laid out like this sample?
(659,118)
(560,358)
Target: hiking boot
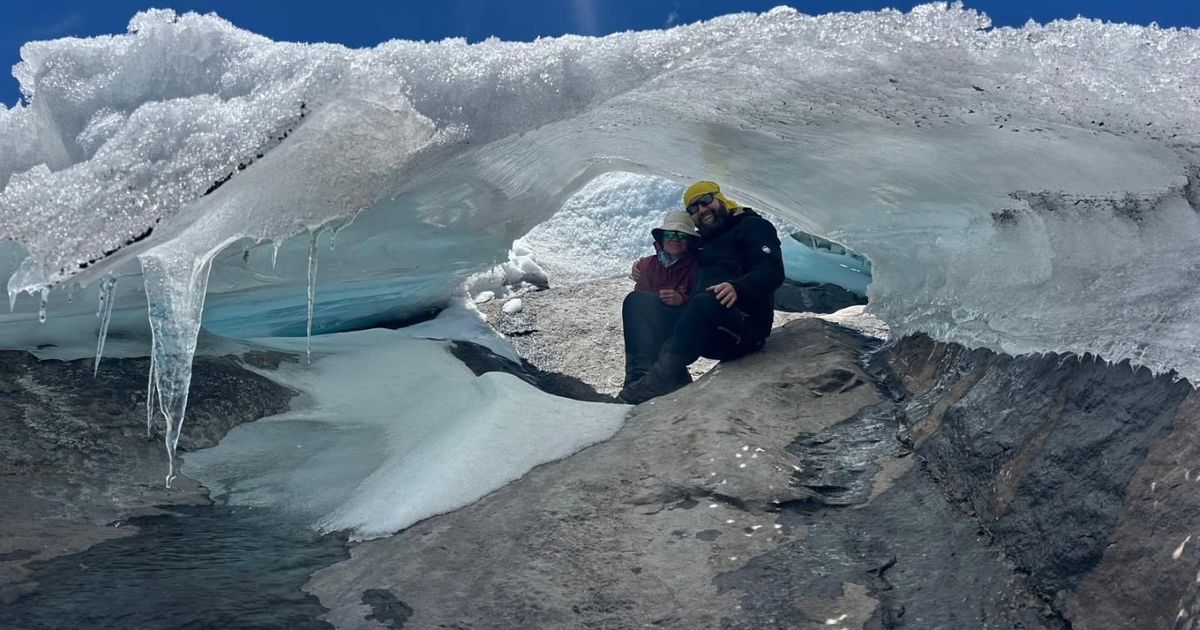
(633,376)
(634,369)
(683,377)
(649,386)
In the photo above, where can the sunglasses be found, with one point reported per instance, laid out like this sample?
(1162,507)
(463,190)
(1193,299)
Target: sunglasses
(675,236)
(703,201)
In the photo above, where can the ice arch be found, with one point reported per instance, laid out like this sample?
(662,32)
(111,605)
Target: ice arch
(1023,189)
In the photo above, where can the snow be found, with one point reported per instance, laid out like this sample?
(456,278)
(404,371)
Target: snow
(461,321)
(389,430)
(604,227)
(1025,190)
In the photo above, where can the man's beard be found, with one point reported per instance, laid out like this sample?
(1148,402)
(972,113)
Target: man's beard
(719,215)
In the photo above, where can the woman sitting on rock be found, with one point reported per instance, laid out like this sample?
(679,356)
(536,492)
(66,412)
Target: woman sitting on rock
(664,279)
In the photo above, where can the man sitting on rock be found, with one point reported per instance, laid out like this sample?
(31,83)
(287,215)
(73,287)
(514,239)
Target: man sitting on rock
(732,306)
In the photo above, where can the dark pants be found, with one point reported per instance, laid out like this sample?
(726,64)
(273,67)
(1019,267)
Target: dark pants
(670,338)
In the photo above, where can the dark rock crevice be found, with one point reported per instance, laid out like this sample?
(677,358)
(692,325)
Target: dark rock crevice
(1050,454)
(479,359)
(75,456)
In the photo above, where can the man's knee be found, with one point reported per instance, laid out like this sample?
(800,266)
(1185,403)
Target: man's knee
(704,301)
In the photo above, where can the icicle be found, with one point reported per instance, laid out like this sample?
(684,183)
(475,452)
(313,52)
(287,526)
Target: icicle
(275,252)
(42,306)
(70,293)
(344,224)
(107,298)
(312,294)
(150,394)
(175,288)
(102,298)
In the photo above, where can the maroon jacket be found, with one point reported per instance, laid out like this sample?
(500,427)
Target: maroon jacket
(653,276)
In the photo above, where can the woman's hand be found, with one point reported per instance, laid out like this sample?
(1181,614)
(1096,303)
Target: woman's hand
(670,297)
(635,273)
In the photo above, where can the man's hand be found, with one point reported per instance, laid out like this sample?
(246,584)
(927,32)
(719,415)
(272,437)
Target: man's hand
(635,274)
(725,292)
(670,297)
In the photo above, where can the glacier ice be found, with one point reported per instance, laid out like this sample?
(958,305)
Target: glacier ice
(810,258)
(1031,189)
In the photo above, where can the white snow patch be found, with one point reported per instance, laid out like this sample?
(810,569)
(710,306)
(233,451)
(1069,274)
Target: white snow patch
(391,430)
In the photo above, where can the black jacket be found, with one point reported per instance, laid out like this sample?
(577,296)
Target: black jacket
(744,251)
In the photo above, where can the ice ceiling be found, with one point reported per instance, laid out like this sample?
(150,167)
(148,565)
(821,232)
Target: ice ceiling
(1028,190)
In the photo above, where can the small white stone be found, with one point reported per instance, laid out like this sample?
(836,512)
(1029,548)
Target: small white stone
(513,306)
(1179,550)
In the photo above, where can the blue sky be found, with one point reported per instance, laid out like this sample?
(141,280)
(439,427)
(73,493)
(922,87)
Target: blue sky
(362,23)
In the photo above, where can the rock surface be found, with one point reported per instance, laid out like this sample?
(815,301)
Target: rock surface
(818,485)
(630,531)
(763,495)
(75,460)
(1079,471)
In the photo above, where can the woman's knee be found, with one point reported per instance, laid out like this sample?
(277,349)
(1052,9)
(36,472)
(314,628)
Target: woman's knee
(638,301)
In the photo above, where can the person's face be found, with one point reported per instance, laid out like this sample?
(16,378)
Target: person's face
(674,243)
(708,212)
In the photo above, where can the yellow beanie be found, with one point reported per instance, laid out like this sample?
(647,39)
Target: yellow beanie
(704,188)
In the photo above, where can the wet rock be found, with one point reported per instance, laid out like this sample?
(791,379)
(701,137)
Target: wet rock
(1078,469)
(385,608)
(75,459)
(814,297)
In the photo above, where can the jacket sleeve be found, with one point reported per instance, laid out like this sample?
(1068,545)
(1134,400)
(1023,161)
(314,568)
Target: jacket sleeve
(764,272)
(644,281)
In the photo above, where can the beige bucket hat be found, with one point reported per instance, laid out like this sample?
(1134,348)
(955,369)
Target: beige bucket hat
(678,222)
